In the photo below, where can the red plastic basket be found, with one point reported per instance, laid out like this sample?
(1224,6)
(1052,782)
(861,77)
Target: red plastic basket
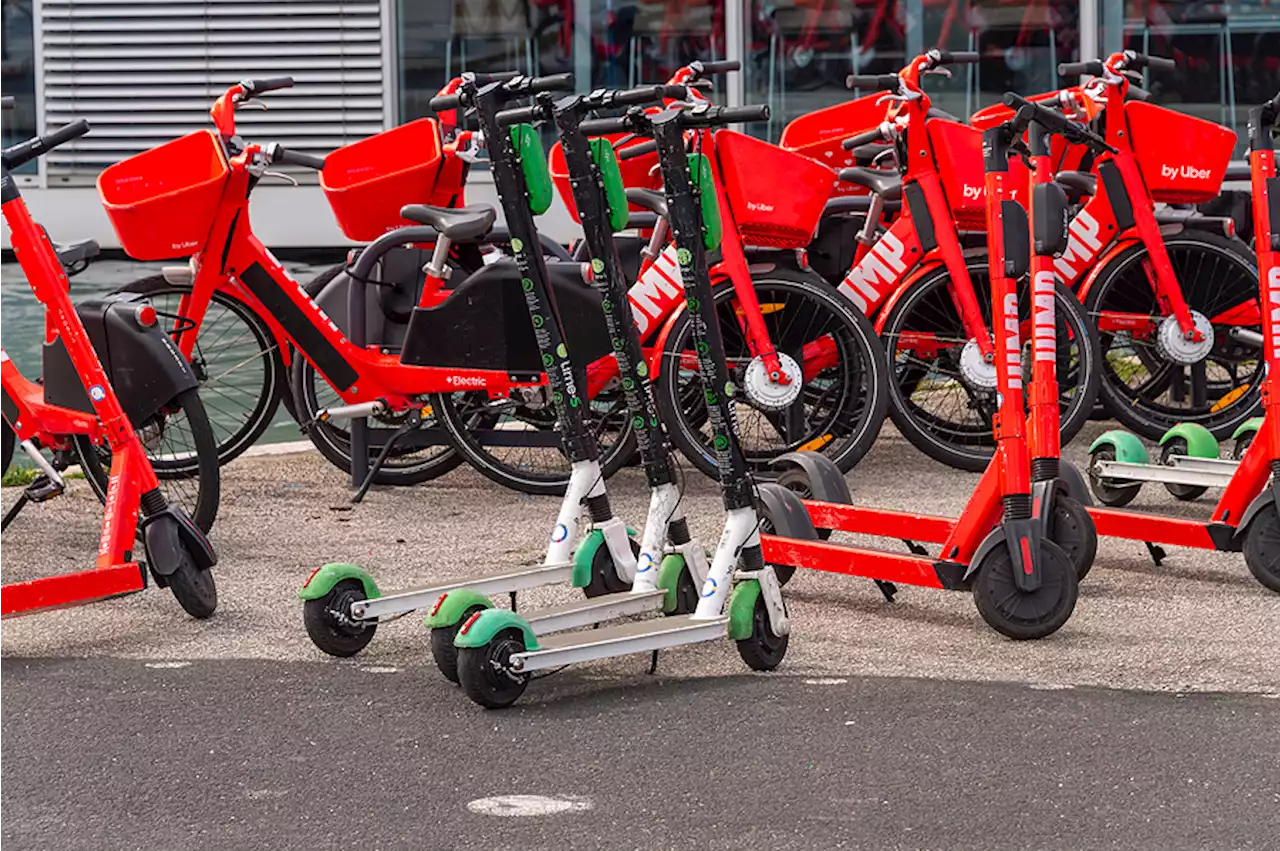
(162,202)
(637,173)
(819,135)
(776,196)
(367,182)
(957,150)
(1182,158)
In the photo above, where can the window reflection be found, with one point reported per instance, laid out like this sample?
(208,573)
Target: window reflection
(17,73)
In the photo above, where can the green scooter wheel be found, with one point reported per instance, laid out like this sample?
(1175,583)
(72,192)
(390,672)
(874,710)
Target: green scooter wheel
(443,649)
(485,672)
(1112,492)
(1178,446)
(762,650)
(329,622)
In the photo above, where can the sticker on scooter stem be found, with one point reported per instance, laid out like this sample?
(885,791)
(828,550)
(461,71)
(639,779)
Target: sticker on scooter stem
(646,563)
(709,587)
(559,533)
(96,393)
(517,244)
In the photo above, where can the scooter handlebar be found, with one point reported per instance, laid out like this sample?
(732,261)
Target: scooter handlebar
(280,154)
(958,57)
(1141,60)
(632,151)
(268,84)
(604,126)
(1055,122)
(722,66)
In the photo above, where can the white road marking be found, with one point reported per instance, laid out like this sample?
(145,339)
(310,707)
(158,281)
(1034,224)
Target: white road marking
(1049,686)
(517,806)
(826,681)
(167,665)
(380,669)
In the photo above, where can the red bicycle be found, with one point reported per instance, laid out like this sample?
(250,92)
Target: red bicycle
(808,370)
(77,408)
(926,292)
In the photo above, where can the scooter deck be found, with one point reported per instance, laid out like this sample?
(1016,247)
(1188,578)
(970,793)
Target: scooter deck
(520,579)
(70,589)
(620,640)
(1192,474)
(594,610)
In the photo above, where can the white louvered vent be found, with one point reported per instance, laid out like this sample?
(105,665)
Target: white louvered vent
(147,71)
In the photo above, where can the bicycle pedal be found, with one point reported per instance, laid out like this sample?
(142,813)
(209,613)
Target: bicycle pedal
(43,488)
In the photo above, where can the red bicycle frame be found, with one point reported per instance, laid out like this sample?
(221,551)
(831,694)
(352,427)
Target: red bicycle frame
(1243,496)
(116,571)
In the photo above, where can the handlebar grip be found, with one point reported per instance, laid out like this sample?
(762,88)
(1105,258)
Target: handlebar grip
(679,92)
(742,114)
(496,77)
(268,84)
(1142,60)
(632,151)
(959,57)
(866,138)
(721,66)
(880,82)
(1093,68)
(603,126)
(519,115)
(551,83)
(6,102)
(444,103)
(284,155)
(26,151)
(646,94)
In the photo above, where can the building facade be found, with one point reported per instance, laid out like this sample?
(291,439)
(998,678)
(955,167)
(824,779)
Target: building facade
(146,71)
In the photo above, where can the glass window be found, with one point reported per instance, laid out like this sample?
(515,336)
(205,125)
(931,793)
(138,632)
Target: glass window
(1228,56)
(17,73)
(620,43)
(801,51)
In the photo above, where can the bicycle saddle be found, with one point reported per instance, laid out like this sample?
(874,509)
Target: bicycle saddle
(462,223)
(1077,183)
(886,184)
(650,199)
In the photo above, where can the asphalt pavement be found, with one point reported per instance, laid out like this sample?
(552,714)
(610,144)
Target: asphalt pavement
(1148,721)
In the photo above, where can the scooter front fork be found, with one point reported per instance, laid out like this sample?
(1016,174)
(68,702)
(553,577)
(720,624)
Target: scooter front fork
(586,488)
(740,543)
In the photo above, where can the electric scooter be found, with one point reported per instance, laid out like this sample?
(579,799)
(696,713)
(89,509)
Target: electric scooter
(178,555)
(1246,517)
(741,598)
(1003,547)
(672,565)
(342,603)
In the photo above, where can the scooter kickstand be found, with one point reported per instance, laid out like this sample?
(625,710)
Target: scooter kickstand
(512,595)
(653,663)
(1157,552)
(412,422)
(887,588)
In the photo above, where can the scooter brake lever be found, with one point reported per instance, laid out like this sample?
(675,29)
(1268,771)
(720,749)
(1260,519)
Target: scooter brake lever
(281,175)
(939,72)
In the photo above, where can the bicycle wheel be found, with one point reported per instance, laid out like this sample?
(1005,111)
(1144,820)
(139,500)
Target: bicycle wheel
(942,396)
(181,428)
(237,362)
(1152,378)
(839,405)
(513,441)
(421,456)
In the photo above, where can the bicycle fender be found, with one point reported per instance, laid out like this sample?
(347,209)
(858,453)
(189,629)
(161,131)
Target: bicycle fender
(825,478)
(786,512)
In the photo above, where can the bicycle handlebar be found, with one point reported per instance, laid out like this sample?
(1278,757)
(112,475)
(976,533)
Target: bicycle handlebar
(879,82)
(6,102)
(1054,122)
(865,138)
(277,153)
(1141,60)
(24,152)
(718,115)
(1093,68)
(959,57)
(268,84)
(605,126)
(722,66)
